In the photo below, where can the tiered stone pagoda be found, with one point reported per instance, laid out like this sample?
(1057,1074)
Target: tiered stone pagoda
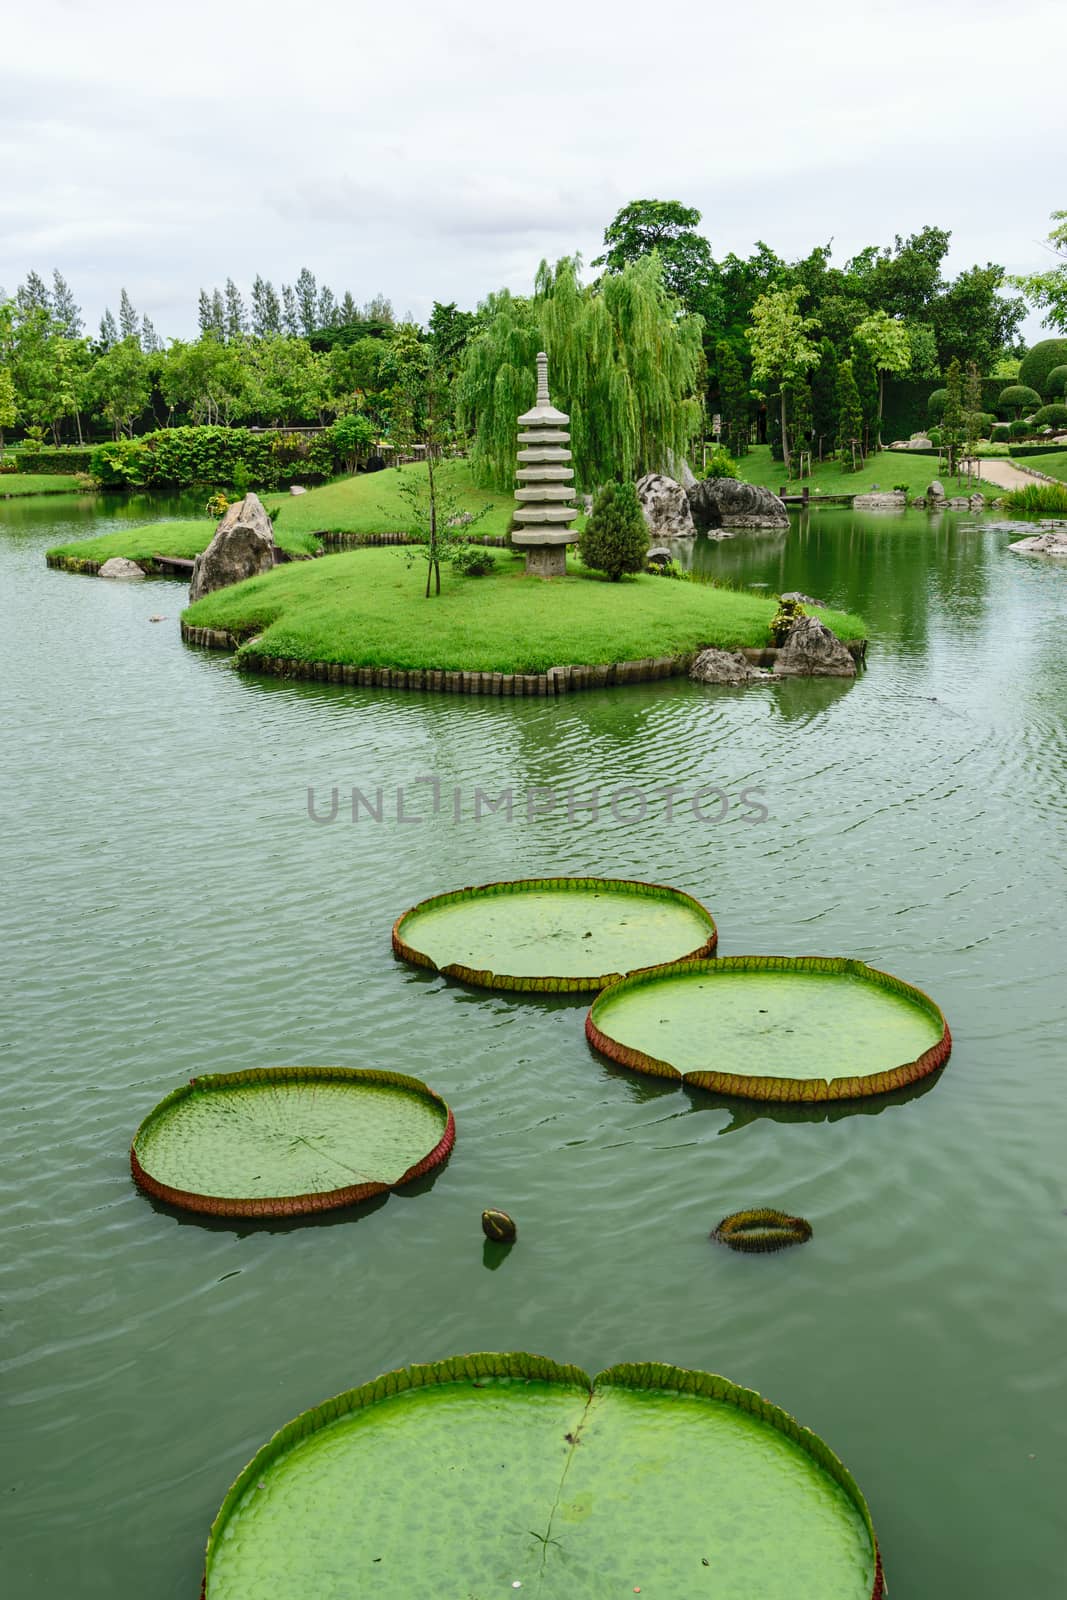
(543,513)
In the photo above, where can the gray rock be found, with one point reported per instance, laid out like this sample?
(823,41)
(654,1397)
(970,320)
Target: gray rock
(658,557)
(802,599)
(812,650)
(725,503)
(666,507)
(1042,544)
(935,490)
(884,500)
(243,547)
(119,567)
(681,469)
(724,666)
(296,488)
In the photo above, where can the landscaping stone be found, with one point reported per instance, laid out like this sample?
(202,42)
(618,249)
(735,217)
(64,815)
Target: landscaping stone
(795,596)
(243,547)
(666,507)
(726,503)
(886,500)
(725,666)
(935,490)
(681,469)
(296,488)
(658,557)
(119,567)
(1042,544)
(812,650)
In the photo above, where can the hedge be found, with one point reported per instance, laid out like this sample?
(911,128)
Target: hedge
(904,409)
(1041,361)
(51,458)
(181,457)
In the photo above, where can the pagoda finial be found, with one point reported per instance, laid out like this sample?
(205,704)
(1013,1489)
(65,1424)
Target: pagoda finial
(542,379)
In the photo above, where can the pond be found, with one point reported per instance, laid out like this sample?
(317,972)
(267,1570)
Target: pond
(172,908)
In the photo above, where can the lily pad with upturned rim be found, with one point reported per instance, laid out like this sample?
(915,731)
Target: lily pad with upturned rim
(759,1026)
(282,1141)
(563,935)
(485,1473)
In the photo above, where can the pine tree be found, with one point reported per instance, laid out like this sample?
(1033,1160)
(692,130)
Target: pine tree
(33,295)
(109,332)
(824,407)
(348,311)
(203,312)
(290,312)
(236,315)
(327,312)
(952,415)
(218,315)
(799,411)
(866,379)
(64,307)
(380,309)
(129,321)
(615,538)
(733,398)
(150,340)
(972,411)
(307,301)
(266,309)
(849,418)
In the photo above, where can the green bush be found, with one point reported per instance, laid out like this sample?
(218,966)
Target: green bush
(1019,430)
(934,436)
(1016,399)
(33,457)
(473,561)
(721,464)
(177,458)
(615,537)
(1052,416)
(1043,360)
(789,612)
(993,449)
(935,404)
(1039,500)
(668,569)
(1056,383)
(119,464)
(1001,433)
(986,424)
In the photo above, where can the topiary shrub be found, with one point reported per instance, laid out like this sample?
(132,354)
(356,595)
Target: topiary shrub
(1056,383)
(1042,360)
(935,404)
(1001,433)
(934,437)
(986,424)
(615,538)
(1053,416)
(1017,398)
(1019,430)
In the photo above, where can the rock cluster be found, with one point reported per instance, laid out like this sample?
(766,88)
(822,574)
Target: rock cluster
(243,547)
(1053,543)
(811,650)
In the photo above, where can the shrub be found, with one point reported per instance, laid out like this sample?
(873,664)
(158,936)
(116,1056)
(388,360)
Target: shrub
(120,464)
(1053,416)
(721,464)
(934,437)
(1039,500)
(473,561)
(986,424)
(935,404)
(1042,360)
(217,506)
(668,569)
(993,449)
(1056,383)
(789,611)
(1001,433)
(1017,398)
(615,537)
(1019,430)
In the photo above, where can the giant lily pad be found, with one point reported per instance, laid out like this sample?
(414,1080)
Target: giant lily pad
(561,934)
(772,1027)
(488,1473)
(279,1141)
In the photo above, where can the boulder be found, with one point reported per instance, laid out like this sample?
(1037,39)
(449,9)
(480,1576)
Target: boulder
(666,507)
(243,547)
(936,490)
(119,567)
(884,500)
(724,666)
(812,650)
(297,488)
(1042,544)
(681,469)
(798,599)
(660,557)
(725,503)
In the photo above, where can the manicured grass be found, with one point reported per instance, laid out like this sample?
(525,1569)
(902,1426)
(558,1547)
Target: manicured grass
(1054,465)
(887,469)
(366,608)
(23,483)
(371,502)
(185,539)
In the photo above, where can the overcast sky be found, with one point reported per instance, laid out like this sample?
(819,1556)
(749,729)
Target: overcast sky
(436,152)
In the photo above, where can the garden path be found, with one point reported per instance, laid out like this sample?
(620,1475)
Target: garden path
(1005,474)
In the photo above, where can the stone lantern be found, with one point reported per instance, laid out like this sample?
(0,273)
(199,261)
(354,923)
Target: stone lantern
(543,512)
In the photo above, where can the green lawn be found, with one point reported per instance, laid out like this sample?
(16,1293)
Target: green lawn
(887,469)
(21,483)
(185,539)
(371,503)
(366,608)
(1055,465)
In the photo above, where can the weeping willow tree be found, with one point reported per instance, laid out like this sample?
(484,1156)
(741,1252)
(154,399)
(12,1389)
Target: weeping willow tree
(624,363)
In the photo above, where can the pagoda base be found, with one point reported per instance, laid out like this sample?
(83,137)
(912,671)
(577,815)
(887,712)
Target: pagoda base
(546,560)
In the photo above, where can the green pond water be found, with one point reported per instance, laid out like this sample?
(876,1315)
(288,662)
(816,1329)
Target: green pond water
(673,1494)
(171,908)
(780,1025)
(572,933)
(299,1138)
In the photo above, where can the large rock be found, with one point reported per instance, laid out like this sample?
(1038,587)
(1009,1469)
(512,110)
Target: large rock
(119,567)
(812,650)
(724,666)
(681,469)
(243,547)
(1042,544)
(936,490)
(725,503)
(666,507)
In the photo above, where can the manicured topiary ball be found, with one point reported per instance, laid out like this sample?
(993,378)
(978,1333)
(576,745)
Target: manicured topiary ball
(499,1227)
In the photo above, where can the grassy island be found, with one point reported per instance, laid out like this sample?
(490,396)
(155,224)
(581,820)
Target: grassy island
(365,608)
(18,484)
(182,539)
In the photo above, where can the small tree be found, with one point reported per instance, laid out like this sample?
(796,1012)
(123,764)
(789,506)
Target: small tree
(973,418)
(849,418)
(824,397)
(615,537)
(351,436)
(867,385)
(733,398)
(782,349)
(8,408)
(799,411)
(952,416)
(889,347)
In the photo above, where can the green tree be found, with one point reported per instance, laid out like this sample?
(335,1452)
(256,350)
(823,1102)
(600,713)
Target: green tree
(8,409)
(799,410)
(972,412)
(888,349)
(824,407)
(64,308)
(670,229)
(266,309)
(952,417)
(615,537)
(1048,290)
(782,347)
(129,321)
(867,385)
(236,315)
(849,418)
(352,435)
(307,301)
(119,383)
(733,398)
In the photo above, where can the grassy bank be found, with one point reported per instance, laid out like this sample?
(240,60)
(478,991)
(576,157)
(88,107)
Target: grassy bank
(185,539)
(26,483)
(371,502)
(366,608)
(1053,465)
(887,470)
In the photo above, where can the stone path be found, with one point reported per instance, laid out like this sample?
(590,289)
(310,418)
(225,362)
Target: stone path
(1005,474)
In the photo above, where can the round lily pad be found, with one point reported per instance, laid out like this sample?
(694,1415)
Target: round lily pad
(772,1027)
(567,935)
(488,1473)
(279,1141)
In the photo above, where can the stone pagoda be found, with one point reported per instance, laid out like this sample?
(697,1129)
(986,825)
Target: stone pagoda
(543,512)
